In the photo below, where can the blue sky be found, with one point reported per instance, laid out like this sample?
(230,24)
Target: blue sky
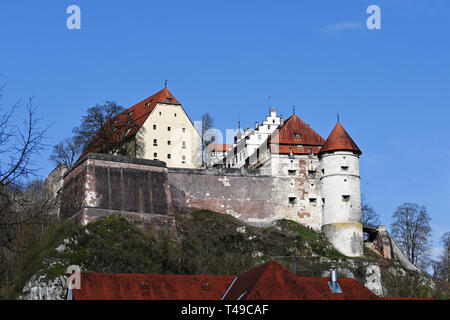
(390,86)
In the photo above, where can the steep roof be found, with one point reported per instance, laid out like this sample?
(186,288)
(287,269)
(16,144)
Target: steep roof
(294,125)
(272,281)
(292,133)
(339,139)
(107,286)
(138,114)
(269,281)
(219,147)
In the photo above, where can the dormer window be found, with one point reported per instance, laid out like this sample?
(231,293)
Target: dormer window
(291,153)
(298,136)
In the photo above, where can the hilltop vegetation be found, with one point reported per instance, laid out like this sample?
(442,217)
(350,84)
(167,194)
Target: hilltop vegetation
(204,242)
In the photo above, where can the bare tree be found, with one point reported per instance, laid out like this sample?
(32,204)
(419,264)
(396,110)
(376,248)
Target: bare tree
(18,147)
(97,125)
(109,129)
(411,230)
(369,217)
(442,265)
(66,152)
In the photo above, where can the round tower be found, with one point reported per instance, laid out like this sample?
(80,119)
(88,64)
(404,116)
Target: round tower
(341,193)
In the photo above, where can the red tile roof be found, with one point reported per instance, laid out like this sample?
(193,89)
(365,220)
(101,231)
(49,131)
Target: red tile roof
(272,281)
(339,139)
(294,125)
(138,114)
(269,281)
(105,286)
(287,137)
(219,147)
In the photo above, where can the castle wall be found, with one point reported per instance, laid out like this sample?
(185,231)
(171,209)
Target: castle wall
(115,184)
(244,194)
(105,184)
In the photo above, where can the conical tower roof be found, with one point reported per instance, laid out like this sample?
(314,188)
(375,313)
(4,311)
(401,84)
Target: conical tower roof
(339,139)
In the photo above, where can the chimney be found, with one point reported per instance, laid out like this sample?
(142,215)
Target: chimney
(333,283)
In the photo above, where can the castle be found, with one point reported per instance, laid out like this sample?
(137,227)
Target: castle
(280,169)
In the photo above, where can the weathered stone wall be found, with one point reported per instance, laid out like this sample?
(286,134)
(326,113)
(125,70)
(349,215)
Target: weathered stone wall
(247,195)
(102,184)
(115,184)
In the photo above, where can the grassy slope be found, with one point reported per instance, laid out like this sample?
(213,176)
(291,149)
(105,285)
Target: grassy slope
(206,243)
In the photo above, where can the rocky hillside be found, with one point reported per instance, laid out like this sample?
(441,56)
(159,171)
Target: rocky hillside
(202,242)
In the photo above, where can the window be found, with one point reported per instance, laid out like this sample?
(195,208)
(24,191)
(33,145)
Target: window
(291,172)
(345,197)
(128,131)
(298,136)
(273,121)
(174,114)
(160,113)
(155,142)
(168,128)
(259,137)
(213,154)
(313,200)
(291,153)
(130,114)
(344,168)
(183,159)
(183,130)
(292,200)
(323,171)
(323,200)
(154,127)
(311,173)
(155,155)
(311,152)
(184,145)
(168,156)
(168,142)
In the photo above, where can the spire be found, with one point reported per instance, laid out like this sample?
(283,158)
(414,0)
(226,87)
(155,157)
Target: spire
(339,139)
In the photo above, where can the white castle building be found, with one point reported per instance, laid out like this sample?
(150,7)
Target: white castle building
(324,175)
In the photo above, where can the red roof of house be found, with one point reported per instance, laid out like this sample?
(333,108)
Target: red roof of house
(272,281)
(106,286)
(339,139)
(219,147)
(138,114)
(294,125)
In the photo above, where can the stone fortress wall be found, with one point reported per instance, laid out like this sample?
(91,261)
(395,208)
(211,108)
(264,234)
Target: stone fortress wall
(102,184)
